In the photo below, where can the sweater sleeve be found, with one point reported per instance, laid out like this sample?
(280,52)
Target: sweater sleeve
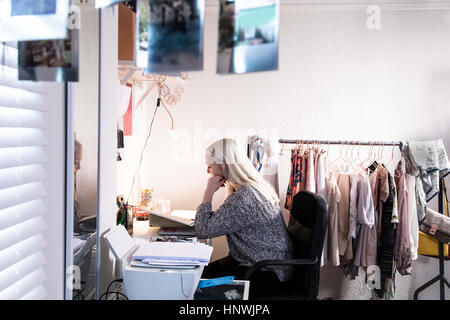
(232,216)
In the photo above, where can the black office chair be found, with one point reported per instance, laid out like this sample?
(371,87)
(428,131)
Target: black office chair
(307,226)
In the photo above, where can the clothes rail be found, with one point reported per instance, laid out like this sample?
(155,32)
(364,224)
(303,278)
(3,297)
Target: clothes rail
(345,142)
(441,276)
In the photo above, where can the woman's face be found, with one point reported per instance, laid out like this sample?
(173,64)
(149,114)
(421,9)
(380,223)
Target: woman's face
(215,169)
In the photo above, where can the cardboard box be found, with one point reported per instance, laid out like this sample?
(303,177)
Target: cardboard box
(127,33)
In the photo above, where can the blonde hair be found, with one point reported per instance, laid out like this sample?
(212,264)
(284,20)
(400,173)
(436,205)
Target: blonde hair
(238,170)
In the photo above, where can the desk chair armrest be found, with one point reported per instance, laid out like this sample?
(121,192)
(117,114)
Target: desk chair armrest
(289,262)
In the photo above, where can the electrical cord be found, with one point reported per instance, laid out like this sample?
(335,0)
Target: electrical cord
(112,282)
(79,295)
(145,145)
(105,294)
(117,293)
(182,286)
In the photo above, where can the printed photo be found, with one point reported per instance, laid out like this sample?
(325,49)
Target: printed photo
(248,36)
(32,7)
(28,20)
(170,35)
(49,60)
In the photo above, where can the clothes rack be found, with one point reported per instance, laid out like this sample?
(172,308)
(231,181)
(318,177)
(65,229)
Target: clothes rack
(360,143)
(441,276)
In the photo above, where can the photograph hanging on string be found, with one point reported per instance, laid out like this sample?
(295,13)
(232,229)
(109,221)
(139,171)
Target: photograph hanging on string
(170,35)
(50,60)
(248,36)
(19,18)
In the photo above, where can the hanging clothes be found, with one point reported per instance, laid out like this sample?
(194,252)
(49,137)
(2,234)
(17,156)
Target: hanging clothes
(263,154)
(320,176)
(402,249)
(345,246)
(383,193)
(412,216)
(333,198)
(321,191)
(353,203)
(395,218)
(128,116)
(303,172)
(362,204)
(428,162)
(377,181)
(386,240)
(365,217)
(294,179)
(256,151)
(348,261)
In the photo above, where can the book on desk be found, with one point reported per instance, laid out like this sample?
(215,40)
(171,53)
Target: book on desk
(178,223)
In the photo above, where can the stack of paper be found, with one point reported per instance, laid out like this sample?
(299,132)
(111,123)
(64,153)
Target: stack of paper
(173,254)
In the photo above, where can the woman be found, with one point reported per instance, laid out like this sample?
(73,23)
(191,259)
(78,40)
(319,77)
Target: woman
(250,217)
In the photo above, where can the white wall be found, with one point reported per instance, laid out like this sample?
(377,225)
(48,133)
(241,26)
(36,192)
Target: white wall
(55,201)
(336,80)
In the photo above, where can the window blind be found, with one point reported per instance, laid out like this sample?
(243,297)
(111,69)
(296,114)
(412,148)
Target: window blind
(22,182)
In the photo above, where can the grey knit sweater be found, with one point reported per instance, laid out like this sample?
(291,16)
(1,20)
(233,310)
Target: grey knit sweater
(254,228)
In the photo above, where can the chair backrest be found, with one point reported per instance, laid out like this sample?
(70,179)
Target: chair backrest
(307,227)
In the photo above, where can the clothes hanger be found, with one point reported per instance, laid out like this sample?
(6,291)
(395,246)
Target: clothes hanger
(392,156)
(325,158)
(396,175)
(299,149)
(376,154)
(358,160)
(339,162)
(334,161)
(362,164)
(382,152)
(354,160)
(322,150)
(370,161)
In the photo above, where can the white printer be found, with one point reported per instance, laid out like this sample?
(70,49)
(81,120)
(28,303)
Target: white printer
(145,282)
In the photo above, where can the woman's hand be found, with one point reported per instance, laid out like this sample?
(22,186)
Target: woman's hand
(214,184)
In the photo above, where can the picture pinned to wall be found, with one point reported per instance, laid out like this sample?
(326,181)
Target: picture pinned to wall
(50,60)
(248,36)
(169,35)
(23,20)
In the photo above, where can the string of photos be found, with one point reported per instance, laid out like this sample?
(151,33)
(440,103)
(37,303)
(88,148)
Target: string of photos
(169,37)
